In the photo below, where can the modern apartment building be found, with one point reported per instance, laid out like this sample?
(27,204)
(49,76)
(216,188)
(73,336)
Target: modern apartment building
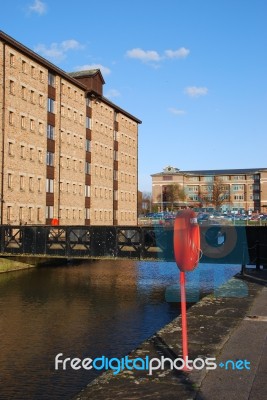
(227,190)
(67,152)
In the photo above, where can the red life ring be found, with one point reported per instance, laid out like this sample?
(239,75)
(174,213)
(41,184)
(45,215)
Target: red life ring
(186,240)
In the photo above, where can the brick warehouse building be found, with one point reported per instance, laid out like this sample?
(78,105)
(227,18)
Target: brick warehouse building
(67,152)
(242,189)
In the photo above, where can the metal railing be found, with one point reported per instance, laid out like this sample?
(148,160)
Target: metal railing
(219,244)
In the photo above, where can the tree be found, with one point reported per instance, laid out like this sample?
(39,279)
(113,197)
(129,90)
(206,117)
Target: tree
(173,194)
(216,193)
(144,202)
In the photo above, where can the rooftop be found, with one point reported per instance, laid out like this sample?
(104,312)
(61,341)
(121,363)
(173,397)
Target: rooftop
(210,172)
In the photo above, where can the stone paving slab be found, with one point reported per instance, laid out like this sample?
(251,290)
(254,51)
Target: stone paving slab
(214,324)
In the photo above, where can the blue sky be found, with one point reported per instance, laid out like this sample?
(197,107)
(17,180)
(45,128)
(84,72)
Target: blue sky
(194,71)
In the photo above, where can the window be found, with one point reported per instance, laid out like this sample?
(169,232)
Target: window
(49,185)
(41,128)
(87,213)
(193,178)
(21,214)
(238,187)
(88,123)
(87,167)
(41,100)
(41,76)
(50,105)
(32,125)
(11,118)
(115,155)
(24,66)
(30,213)
(9,181)
(9,213)
(167,177)
(31,184)
(208,178)
(115,195)
(22,182)
(11,87)
(49,212)
(32,97)
(115,175)
(87,145)
(50,132)
(192,188)
(22,151)
(11,60)
(33,71)
(50,159)
(23,122)
(10,148)
(51,79)
(31,153)
(40,156)
(39,214)
(23,93)
(39,185)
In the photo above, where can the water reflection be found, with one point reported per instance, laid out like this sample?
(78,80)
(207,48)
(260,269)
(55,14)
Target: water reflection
(98,308)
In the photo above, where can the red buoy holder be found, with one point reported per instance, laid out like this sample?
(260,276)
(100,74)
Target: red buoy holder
(186,244)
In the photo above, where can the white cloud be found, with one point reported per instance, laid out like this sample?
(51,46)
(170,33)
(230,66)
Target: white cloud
(112,93)
(104,70)
(177,111)
(152,56)
(71,44)
(38,7)
(194,91)
(143,55)
(57,51)
(180,53)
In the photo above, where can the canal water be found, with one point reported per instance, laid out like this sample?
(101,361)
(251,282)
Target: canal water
(88,310)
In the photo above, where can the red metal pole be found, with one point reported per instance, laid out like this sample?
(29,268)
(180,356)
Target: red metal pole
(184,321)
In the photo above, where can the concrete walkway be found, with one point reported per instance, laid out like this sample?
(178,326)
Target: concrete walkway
(248,341)
(232,325)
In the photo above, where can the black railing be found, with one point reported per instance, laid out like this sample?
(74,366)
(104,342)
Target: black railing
(219,244)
